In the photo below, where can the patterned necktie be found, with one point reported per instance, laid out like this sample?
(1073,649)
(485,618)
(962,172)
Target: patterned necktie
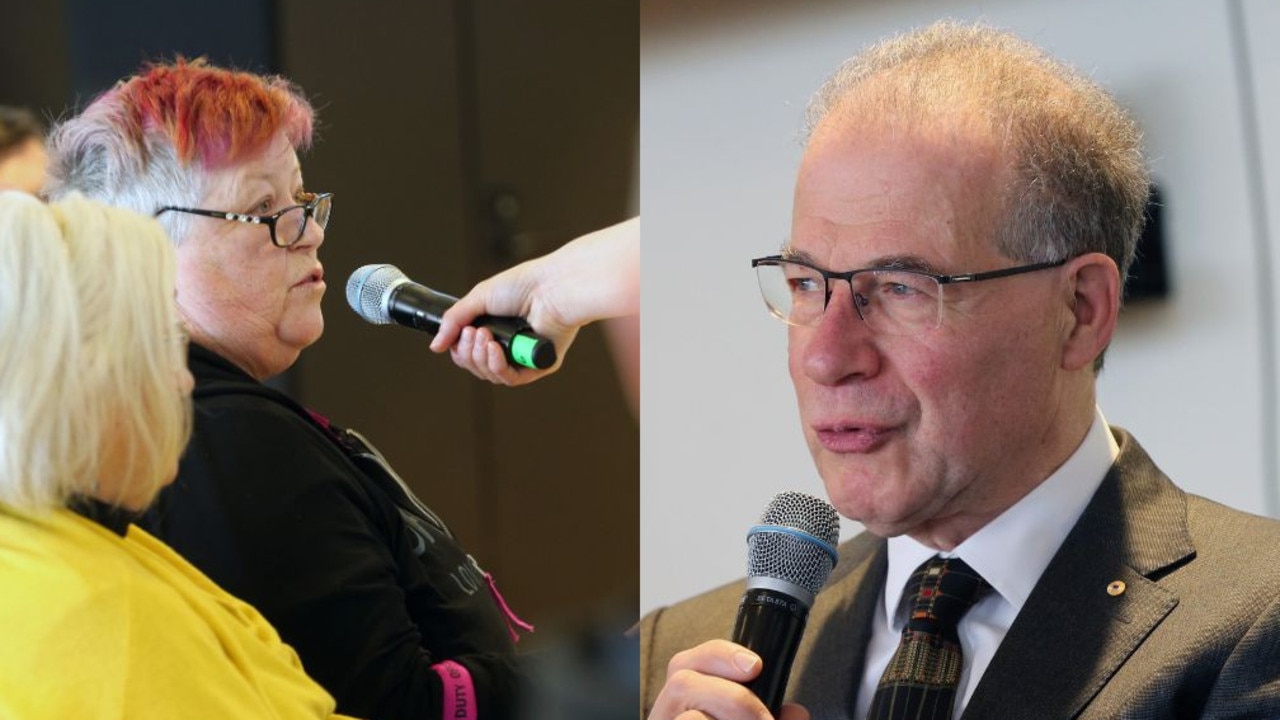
(921,679)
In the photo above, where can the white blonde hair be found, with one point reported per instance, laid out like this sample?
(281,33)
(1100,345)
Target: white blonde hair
(90,354)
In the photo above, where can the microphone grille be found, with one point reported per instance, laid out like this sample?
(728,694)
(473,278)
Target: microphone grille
(367,291)
(795,541)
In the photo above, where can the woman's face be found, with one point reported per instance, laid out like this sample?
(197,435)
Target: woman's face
(255,304)
(24,167)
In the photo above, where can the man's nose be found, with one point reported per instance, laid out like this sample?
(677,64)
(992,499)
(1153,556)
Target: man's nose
(841,346)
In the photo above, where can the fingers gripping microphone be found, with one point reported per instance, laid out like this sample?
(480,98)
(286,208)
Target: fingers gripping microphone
(382,295)
(790,555)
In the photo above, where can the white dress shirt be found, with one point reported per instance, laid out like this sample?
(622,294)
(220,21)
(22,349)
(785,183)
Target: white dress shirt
(1011,552)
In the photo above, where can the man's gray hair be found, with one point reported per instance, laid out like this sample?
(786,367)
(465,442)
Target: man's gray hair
(1078,183)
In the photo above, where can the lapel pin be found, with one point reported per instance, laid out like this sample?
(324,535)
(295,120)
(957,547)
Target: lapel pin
(1116,588)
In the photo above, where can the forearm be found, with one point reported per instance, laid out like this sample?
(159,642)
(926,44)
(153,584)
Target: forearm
(596,276)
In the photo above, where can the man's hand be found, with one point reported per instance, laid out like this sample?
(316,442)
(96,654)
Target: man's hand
(705,682)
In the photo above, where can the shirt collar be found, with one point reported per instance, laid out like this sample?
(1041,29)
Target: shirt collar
(1036,525)
(114,518)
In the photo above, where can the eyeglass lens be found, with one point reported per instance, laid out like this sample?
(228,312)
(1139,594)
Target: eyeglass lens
(293,223)
(895,302)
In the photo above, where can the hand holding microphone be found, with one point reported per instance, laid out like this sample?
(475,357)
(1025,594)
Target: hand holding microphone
(707,681)
(790,556)
(382,294)
(590,278)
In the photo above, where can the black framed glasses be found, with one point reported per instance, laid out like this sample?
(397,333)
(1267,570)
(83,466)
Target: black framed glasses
(892,301)
(286,226)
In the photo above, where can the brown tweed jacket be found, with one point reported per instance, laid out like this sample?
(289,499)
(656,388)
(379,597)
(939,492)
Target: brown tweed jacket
(1196,634)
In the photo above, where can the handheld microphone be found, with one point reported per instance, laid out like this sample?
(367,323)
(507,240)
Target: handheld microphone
(790,555)
(382,294)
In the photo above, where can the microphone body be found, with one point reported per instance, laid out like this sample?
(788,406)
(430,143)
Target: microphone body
(790,556)
(770,624)
(382,294)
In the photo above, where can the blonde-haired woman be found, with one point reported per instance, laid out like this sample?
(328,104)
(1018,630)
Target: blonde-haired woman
(100,619)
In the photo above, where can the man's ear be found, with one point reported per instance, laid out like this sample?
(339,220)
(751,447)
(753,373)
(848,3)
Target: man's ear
(1093,282)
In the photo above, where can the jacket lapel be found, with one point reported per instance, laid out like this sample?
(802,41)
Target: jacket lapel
(828,666)
(1072,634)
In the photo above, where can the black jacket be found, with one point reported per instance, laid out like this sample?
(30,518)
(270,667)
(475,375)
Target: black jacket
(369,587)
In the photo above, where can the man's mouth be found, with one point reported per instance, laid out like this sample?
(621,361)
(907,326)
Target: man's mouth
(842,437)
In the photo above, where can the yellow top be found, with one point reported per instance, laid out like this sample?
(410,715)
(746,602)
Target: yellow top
(94,625)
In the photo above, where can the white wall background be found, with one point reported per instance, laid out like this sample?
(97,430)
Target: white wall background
(1194,376)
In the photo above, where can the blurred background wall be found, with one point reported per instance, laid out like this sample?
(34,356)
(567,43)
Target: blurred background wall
(724,85)
(459,138)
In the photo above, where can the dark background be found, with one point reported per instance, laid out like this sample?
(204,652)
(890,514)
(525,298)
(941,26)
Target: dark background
(459,138)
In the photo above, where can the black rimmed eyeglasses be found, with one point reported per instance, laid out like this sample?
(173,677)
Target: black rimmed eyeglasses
(286,226)
(893,301)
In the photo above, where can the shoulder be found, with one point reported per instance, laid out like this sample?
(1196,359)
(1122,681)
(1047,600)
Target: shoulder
(253,444)
(225,396)
(1211,518)
(251,437)
(58,559)
(1228,607)
(696,616)
(87,614)
(711,614)
(1190,543)
(250,412)
(67,596)
(257,474)
(703,617)
(1232,543)
(251,461)
(68,571)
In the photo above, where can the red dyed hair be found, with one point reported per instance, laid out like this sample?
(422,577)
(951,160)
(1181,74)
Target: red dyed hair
(214,116)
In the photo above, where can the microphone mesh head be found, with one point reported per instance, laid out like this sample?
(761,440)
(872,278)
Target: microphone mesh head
(367,291)
(804,559)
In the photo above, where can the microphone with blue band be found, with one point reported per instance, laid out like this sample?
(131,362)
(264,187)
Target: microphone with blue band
(790,555)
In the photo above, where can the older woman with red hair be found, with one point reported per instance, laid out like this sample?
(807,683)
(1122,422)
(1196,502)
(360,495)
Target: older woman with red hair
(282,508)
